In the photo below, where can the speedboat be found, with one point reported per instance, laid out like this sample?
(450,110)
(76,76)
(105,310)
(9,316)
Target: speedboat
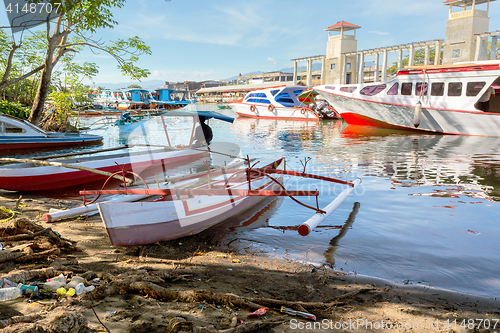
(16,133)
(437,99)
(280,103)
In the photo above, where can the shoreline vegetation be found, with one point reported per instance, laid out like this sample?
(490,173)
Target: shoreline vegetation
(203,283)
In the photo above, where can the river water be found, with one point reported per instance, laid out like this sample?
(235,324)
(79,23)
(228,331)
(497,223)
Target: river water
(427,211)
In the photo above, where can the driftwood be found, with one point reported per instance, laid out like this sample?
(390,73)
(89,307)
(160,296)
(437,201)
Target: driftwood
(38,230)
(134,285)
(19,276)
(38,255)
(19,319)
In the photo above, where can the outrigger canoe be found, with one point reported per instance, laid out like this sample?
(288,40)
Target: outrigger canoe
(62,172)
(195,203)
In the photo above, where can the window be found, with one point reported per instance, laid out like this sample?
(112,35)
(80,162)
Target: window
(372,90)
(8,128)
(283,94)
(257,95)
(421,89)
(330,87)
(473,88)
(348,89)
(455,53)
(437,89)
(298,92)
(274,92)
(332,66)
(406,88)
(258,100)
(284,100)
(394,89)
(348,65)
(454,88)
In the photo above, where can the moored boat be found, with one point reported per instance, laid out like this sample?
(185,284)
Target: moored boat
(17,134)
(164,98)
(183,210)
(75,170)
(439,99)
(279,103)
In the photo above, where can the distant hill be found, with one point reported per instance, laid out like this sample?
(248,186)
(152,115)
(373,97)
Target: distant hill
(149,84)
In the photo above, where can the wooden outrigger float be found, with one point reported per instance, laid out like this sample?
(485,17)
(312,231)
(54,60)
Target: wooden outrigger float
(194,203)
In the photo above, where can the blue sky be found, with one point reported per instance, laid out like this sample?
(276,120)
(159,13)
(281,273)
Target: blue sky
(202,40)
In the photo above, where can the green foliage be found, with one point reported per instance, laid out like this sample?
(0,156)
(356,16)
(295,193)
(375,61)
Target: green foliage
(14,109)
(418,59)
(135,85)
(71,95)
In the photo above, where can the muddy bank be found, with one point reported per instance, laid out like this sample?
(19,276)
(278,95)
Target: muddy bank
(206,283)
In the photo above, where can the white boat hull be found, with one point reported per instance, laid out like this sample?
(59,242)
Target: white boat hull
(449,103)
(262,111)
(139,223)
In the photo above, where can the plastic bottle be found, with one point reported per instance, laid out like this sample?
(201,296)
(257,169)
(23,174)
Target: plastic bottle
(81,289)
(59,278)
(27,289)
(52,285)
(8,283)
(75,280)
(6,294)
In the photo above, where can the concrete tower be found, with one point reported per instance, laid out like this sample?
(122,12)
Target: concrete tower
(335,47)
(460,42)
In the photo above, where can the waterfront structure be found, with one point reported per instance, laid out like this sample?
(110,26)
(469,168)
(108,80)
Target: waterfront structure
(268,77)
(466,39)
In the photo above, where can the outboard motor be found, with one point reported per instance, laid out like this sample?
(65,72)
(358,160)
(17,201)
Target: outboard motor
(125,116)
(322,106)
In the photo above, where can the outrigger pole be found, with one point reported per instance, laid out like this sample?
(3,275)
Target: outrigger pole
(306,227)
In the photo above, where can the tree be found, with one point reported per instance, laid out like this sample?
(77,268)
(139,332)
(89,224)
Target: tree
(135,85)
(77,18)
(418,59)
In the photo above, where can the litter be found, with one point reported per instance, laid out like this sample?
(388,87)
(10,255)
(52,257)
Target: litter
(258,313)
(298,313)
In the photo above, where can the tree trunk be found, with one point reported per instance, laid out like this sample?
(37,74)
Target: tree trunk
(43,88)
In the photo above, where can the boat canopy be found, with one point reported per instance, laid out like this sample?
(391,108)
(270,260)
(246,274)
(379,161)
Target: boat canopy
(206,114)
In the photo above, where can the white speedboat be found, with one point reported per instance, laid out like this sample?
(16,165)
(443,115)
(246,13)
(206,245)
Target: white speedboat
(440,99)
(280,103)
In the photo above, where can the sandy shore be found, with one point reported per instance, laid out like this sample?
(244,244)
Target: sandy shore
(204,284)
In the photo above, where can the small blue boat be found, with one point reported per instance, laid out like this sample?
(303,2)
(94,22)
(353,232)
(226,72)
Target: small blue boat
(164,98)
(16,133)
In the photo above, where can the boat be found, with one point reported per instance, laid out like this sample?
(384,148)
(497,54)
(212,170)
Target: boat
(433,99)
(127,123)
(135,99)
(164,98)
(19,134)
(194,203)
(279,103)
(81,168)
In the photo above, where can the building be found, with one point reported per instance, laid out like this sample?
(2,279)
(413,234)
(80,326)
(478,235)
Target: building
(268,77)
(466,39)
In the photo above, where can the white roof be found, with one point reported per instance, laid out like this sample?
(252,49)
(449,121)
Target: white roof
(245,87)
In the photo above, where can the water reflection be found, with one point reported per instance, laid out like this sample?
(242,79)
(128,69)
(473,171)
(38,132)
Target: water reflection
(334,242)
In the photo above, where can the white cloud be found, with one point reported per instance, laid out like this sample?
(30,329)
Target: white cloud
(272,60)
(379,32)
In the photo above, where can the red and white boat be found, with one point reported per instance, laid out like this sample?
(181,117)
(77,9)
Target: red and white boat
(280,103)
(183,211)
(78,169)
(17,134)
(439,99)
